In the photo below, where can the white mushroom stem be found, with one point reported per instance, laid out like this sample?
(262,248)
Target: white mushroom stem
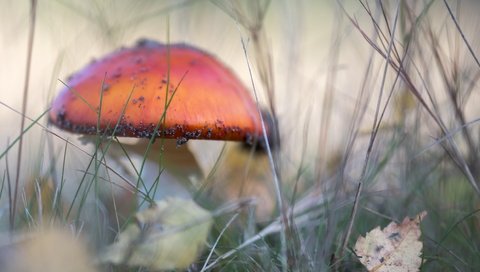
(178,166)
(181,169)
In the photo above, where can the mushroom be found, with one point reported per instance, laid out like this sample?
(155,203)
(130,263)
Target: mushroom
(155,90)
(201,98)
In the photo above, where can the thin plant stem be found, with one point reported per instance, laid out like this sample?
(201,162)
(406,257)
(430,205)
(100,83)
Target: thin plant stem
(31,35)
(461,33)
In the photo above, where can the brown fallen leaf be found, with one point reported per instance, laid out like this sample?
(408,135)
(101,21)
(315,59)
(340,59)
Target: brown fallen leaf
(396,248)
(170,235)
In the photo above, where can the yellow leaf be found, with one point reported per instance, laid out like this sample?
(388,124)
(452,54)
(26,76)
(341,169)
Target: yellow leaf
(395,248)
(169,235)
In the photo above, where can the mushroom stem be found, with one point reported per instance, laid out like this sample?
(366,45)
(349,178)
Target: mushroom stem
(177,166)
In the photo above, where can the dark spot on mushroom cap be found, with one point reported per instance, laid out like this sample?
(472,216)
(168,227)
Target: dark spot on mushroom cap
(105,87)
(193,134)
(61,116)
(117,74)
(139,60)
(169,132)
(148,43)
(181,141)
(180,128)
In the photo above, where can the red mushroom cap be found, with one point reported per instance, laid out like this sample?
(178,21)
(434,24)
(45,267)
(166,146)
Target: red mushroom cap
(209,101)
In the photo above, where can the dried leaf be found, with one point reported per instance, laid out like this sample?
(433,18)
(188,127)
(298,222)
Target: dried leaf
(169,235)
(395,248)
